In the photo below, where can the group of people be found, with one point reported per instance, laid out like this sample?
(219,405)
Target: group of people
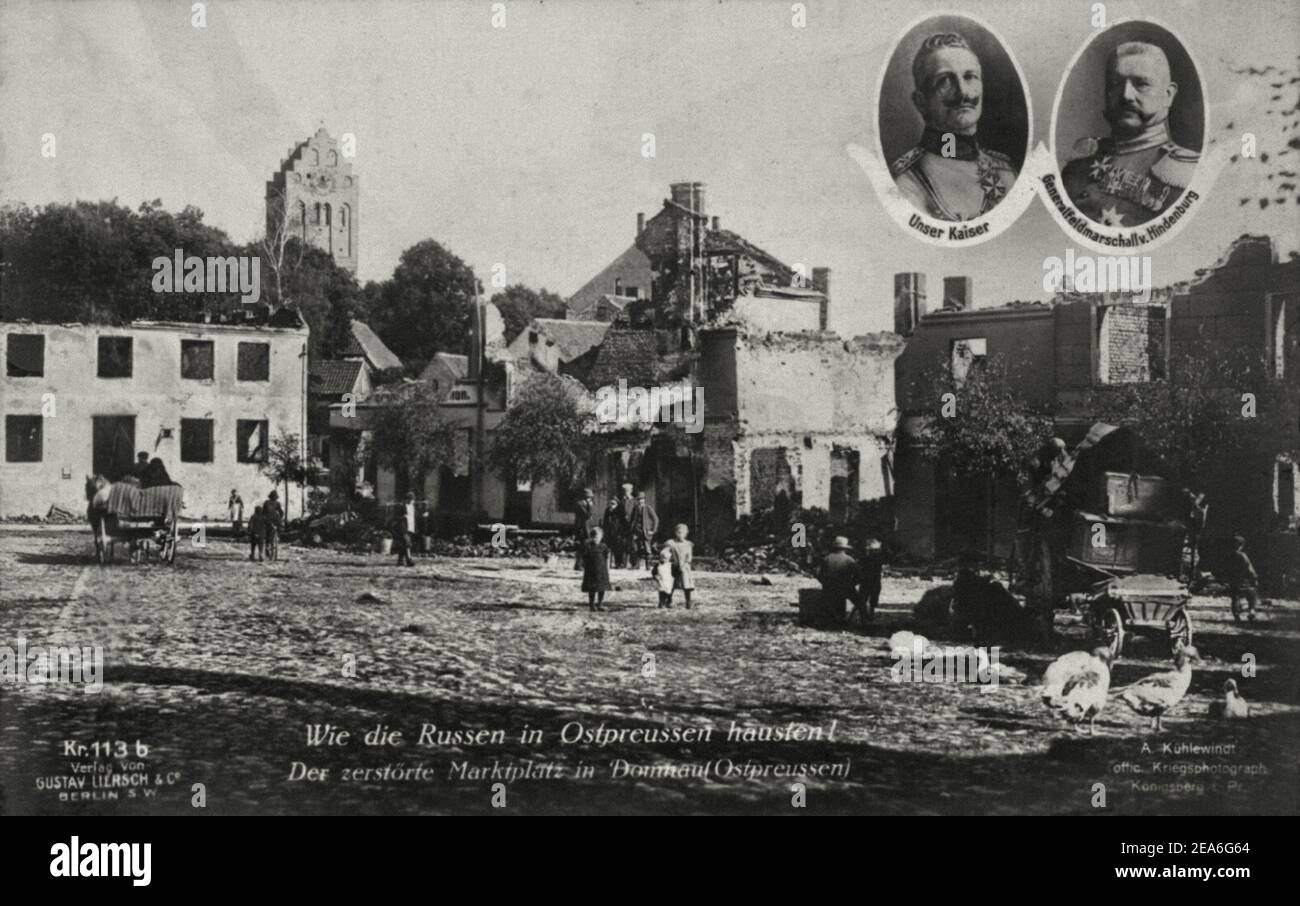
(263,526)
(628,525)
(625,537)
(856,580)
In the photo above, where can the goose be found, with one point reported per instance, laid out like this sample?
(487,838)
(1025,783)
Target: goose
(1075,685)
(1233,706)
(904,643)
(1160,692)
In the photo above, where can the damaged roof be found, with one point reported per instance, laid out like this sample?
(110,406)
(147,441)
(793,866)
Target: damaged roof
(572,338)
(333,376)
(725,242)
(365,342)
(633,355)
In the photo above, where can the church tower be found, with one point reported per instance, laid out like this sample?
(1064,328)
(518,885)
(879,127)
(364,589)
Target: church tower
(314,197)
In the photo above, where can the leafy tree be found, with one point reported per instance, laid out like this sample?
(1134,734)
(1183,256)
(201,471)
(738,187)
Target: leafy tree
(519,305)
(285,464)
(986,427)
(93,262)
(1197,419)
(410,436)
(545,434)
(427,305)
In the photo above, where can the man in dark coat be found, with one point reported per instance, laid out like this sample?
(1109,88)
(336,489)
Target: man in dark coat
(873,567)
(612,531)
(623,552)
(584,520)
(644,524)
(141,465)
(840,577)
(273,513)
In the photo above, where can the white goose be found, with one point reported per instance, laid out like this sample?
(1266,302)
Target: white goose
(1233,706)
(1161,692)
(1075,685)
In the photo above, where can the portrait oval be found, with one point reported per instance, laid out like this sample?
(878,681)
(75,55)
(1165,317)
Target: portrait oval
(1128,126)
(953,116)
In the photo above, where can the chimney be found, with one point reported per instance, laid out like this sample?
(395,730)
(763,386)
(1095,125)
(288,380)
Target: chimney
(689,195)
(821,281)
(640,223)
(717,223)
(909,302)
(957,293)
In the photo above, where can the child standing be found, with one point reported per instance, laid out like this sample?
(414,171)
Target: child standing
(595,570)
(682,552)
(256,534)
(663,573)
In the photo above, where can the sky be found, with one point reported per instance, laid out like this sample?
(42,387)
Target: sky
(522,145)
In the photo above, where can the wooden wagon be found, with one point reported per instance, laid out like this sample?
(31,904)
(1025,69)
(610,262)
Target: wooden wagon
(126,512)
(1101,535)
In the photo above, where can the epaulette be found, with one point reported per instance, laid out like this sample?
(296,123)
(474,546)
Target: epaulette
(906,161)
(999,158)
(1176,166)
(1180,154)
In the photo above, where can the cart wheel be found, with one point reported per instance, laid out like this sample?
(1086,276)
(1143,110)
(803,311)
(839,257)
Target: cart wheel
(1180,629)
(1112,631)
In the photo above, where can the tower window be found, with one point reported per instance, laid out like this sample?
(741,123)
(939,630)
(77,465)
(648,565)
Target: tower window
(318,213)
(334,159)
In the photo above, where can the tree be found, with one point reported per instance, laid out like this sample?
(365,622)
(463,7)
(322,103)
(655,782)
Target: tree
(1200,417)
(281,248)
(426,306)
(285,464)
(984,425)
(545,434)
(519,305)
(93,262)
(410,436)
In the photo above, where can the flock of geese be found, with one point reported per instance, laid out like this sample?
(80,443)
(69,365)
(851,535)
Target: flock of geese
(1076,687)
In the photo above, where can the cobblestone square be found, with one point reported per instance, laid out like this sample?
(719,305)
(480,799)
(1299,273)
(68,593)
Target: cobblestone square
(494,672)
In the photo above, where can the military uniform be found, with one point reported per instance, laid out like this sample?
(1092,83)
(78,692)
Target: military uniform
(963,186)
(1127,183)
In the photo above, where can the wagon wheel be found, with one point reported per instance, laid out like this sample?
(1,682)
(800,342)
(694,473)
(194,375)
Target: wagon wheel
(169,546)
(1112,631)
(1179,627)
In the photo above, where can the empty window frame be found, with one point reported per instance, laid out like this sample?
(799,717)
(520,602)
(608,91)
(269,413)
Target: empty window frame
(23,436)
(250,440)
(196,440)
(254,362)
(197,360)
(116,357)
(25,355)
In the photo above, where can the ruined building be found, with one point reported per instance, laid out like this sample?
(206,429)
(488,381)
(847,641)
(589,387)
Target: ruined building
(1061,353)
(683,270)
(793,415)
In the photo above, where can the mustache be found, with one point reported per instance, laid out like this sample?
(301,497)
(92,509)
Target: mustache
(963,102)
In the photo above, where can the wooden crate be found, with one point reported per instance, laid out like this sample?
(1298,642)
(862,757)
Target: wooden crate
(1134,495)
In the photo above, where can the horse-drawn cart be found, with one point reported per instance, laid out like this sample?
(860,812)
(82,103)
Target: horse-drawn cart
(1100,535)
(124,511)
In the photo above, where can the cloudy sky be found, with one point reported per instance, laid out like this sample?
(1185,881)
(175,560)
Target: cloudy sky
(522,145)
